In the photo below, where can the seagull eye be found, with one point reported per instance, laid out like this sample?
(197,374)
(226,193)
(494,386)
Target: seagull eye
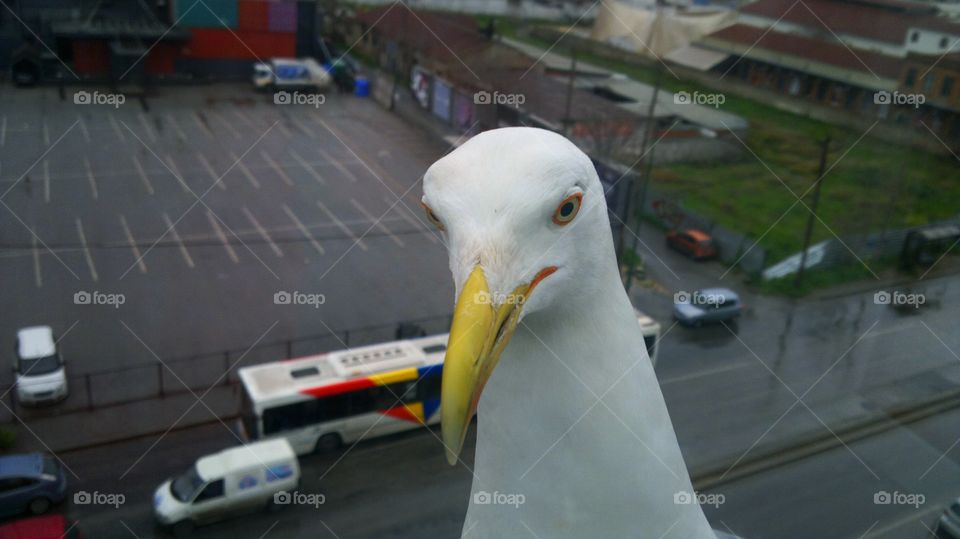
(568,209)
(432,217)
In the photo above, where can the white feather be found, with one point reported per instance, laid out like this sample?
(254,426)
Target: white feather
(583,467)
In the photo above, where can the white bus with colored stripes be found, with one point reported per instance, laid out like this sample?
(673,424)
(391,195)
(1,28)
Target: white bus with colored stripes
(321,402)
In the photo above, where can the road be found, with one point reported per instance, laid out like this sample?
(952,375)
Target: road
(401,486)
(790,368)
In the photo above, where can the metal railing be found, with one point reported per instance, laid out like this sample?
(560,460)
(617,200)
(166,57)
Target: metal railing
(199,372)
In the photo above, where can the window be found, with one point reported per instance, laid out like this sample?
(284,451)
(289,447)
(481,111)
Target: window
(914,36)
(302,373)
(911,78)
(429,387)
(211,491)
(927,84)
(15,483)
(943,42)
(434,348)
(947,88)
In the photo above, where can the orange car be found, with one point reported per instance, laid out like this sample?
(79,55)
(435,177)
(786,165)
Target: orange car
(692,242)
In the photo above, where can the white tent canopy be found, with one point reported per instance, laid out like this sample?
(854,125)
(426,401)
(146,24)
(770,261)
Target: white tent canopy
(655,32)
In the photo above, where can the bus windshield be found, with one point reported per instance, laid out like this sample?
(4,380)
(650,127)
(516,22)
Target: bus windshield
(185,487)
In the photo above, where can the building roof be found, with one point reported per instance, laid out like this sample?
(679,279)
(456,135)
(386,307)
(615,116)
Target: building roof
(881,20)
(755,40)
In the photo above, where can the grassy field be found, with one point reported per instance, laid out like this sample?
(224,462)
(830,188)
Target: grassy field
(871,184)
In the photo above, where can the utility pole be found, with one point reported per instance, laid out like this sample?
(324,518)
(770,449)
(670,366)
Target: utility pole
(646,155)
(824,150)
(567,119)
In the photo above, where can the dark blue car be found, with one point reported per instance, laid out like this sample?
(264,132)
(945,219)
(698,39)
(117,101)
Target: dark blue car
(30,483)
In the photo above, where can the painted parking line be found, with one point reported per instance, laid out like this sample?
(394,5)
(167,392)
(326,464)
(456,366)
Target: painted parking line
(143,175)
(305,128)
(116,128)
(276,168)
(405,214)
(146,126)
(91,179)
(177,175)
(176,127)
(283,129)
(202,125)
(86,251)
(36,264)
(213,174)
(46,133)
(303,229)
(133,245)
(377,222)
(227,124)
(246,171)
(245,119)
(340,224)
(46,181)
(222,237)
(306,166)
(83,128)
(339,166)
(263,233)
(176,238)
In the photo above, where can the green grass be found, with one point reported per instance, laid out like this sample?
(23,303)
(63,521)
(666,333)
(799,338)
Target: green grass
(815,279)
(873,184)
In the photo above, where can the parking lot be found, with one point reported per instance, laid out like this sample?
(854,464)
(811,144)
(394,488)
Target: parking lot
(166,228)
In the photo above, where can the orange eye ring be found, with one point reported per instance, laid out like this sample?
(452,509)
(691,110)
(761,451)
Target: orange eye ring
(568,209)
(432,217)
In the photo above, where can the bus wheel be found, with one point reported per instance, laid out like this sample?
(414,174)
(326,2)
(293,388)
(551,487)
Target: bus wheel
(328,443)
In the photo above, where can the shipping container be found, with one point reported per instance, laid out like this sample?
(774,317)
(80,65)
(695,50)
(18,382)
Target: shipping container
(253,15)
(161,60)
(282,16)
(206,13)
(241,44)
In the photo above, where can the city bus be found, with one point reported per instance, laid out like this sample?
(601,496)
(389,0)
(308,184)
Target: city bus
(321,402)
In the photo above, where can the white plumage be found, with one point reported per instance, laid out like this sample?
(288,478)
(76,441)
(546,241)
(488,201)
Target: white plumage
(571,421)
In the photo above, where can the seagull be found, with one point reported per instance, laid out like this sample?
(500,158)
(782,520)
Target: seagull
(573,435)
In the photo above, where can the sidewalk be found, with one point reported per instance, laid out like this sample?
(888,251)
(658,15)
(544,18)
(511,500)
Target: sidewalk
(59,433)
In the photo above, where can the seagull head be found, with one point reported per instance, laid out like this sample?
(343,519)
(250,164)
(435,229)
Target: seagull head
(524,217)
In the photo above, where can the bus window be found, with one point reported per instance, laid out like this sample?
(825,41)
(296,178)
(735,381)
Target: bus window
(429,387)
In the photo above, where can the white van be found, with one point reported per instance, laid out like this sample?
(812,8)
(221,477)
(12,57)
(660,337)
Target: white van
(233,481)
(38,366)
(290,73)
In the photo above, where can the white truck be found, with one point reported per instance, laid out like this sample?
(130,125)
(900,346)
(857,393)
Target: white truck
(234,481)
(290,73)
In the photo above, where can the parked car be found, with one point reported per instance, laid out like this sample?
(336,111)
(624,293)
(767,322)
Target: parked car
(705,306)
(40,374)
(949,525)
(233,481)
(30,482)
(45,527)
(692,242)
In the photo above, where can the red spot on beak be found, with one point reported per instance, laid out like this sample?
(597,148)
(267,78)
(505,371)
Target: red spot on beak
(543,274)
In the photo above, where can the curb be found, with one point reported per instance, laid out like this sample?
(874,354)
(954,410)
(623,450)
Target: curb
(718,474)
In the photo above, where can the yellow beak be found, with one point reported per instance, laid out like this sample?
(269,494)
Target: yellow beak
(479,333)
